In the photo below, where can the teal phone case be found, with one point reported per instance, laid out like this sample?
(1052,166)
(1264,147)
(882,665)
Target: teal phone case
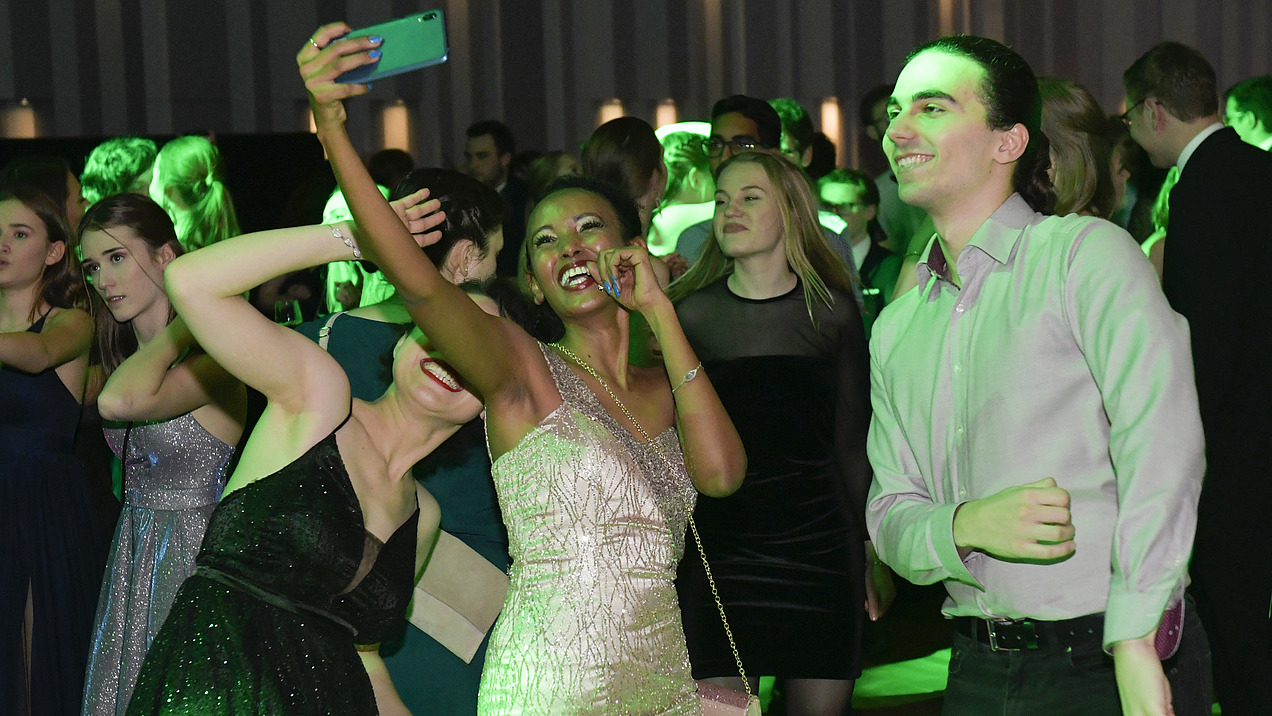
(410,43)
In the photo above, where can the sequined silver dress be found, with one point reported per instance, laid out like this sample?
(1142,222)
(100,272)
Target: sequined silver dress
(596,523)
(173,476)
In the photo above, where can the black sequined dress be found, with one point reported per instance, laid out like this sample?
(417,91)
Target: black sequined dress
(287,582)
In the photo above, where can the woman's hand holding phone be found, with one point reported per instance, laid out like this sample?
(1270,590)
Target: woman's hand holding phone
(323,59)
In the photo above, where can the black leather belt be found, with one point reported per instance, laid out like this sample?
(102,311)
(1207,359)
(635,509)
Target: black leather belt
(1025,634)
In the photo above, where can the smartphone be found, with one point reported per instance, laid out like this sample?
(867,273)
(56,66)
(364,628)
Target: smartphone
(410,43)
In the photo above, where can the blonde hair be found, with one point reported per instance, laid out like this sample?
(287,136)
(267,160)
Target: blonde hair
(807,252)
(191,166)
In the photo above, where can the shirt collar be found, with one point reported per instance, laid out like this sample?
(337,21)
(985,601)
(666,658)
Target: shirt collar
(1196,142)
(996,238)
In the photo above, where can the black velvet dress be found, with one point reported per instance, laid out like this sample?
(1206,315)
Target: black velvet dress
(287,582)
(786,548)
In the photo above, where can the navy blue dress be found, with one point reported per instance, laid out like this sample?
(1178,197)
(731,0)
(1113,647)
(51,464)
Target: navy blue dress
(48,543)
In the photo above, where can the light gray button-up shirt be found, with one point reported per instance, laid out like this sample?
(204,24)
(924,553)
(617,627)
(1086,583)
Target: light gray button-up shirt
(1059,357)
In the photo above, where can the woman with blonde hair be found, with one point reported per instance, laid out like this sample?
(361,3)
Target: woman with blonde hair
(1080,155)
(189,184)
(769,308)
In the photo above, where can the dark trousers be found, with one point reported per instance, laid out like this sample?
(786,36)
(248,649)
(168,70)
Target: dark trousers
(1188,671)
(984,682)
(1232,583)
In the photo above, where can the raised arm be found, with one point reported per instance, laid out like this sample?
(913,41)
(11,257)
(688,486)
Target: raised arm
(206,288)
(148,386)
(713,451)
(489,352)
(66,336)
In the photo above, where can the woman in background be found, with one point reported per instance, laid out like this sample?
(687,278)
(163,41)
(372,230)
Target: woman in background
(50,571)
(189,184)
(175,416)
(688,197)
(427,676)
(769,307)
(1080,155)
(626,153)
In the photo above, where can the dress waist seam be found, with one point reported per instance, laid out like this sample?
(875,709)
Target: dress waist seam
(271,598)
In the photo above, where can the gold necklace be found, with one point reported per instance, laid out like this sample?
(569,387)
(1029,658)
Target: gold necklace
(583,364)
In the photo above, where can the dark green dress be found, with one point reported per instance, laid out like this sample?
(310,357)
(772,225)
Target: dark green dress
(428,677)
(287,583)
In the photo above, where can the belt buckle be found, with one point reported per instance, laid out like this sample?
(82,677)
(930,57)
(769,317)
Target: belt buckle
(1011,635)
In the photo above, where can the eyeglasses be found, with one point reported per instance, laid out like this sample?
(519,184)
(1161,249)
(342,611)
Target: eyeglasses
(1126,116)
(714,146)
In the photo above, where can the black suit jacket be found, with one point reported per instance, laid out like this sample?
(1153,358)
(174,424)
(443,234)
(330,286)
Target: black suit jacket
(515,193)
(1217,258)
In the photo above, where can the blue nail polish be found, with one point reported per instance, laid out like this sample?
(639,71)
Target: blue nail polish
(376,39)
(369,85)
(374,54)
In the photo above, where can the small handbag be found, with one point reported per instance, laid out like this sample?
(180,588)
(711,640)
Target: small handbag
(458,595)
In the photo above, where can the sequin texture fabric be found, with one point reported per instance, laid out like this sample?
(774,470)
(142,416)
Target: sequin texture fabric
(596,522)
(269,620)
(173,476)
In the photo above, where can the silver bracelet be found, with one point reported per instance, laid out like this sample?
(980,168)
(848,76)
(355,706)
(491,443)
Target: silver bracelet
(688,377)
(348,241)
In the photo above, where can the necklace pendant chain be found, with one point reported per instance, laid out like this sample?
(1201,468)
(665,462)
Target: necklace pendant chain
(737,658)
(583,364)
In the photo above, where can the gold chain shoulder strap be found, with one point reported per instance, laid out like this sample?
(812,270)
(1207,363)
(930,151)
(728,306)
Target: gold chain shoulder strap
(688,509)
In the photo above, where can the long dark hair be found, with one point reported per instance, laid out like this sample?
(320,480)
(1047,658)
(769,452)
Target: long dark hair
(1010,95)
(115,340)
(59,285)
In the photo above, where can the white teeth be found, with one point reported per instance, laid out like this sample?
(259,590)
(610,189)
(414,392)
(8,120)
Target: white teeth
(912,160)
(574,275)
(439,373)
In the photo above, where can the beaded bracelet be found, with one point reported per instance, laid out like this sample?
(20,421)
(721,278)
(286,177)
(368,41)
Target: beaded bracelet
(348,241)
(688,377)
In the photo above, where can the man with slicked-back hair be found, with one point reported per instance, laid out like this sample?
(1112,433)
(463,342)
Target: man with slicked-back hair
(1035,438)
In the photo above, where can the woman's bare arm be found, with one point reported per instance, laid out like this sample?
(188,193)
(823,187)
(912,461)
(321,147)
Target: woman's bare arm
(713,451)
(148,386)
(66,336)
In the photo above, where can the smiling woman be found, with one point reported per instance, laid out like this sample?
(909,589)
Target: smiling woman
(309,557)
(595,515)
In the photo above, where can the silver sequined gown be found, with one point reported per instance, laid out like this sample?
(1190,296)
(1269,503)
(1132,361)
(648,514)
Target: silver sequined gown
(596,523)
(173,476)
